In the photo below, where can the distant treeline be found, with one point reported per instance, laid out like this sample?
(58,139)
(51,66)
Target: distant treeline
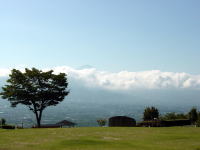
(152,117)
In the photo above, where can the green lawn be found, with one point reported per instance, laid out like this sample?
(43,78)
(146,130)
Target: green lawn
(173,138)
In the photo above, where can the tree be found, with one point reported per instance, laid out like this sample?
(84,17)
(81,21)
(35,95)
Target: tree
(199,115)
(2,121)
(198,123)
(35,89)
(150,113)
(193,115)
(198,120)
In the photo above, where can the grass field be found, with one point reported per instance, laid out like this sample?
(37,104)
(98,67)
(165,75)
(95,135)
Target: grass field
(174,138)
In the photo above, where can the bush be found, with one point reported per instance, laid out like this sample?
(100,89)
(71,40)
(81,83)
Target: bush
(2,121)
(156,123)
(193,115)
(198,123)
(102,122)
(178,122)
(164,123)
(19,127)
(8,127)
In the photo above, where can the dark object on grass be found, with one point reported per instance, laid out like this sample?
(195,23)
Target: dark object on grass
(8,127)
(182,122)
(153,123)
(164,123)
(121,121)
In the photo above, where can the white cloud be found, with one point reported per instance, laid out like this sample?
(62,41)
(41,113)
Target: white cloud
(4,72)
(126,80)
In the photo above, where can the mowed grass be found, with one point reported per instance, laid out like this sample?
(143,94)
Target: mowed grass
(105,138)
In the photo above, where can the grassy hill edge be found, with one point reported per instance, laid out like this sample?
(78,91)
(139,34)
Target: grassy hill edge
(105,138)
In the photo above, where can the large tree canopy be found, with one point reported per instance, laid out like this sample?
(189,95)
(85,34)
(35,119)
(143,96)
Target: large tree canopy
(150,113)
(35,89)
(193,115)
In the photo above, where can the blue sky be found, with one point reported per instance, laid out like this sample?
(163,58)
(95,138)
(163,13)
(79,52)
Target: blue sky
(112,35)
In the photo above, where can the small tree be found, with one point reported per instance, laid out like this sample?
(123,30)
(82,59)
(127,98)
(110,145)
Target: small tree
(199,115)
(150,113)
(198,123)
(193,115)
(35,89)
(198,120)
(3,121)
(102,122)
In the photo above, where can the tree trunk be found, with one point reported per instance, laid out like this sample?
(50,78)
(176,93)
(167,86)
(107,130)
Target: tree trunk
(38,122)
(38,118)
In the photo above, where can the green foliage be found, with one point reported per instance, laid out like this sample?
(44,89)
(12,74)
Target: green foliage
(35,89)
(193,115)
(199,115)
(150,113)
(102,122)
(2,121)
(173,116)
(198,122)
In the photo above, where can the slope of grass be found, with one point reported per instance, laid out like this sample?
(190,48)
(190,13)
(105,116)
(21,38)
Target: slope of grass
(174,138)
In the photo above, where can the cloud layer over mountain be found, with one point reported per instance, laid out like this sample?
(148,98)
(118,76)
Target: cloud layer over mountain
(126,80)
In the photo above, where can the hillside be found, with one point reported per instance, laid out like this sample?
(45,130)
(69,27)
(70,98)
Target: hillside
(176,138)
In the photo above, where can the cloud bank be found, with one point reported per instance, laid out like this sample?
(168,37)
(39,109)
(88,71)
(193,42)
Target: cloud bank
(125,80)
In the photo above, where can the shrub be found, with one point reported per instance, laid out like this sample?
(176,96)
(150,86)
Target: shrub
(2,121)
(178,122)
(164,123)
(19,127)
(198,123)
(8,127)
(102,122)
(156,123)
(193,115)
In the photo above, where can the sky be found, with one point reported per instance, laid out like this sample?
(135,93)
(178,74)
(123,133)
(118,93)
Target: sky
(110,35)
